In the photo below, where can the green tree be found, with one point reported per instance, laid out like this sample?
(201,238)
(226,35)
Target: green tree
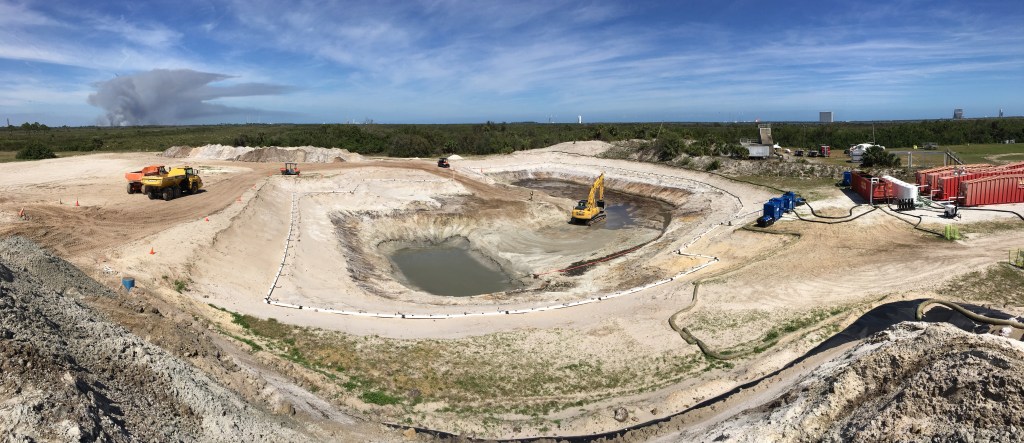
(877,157)
(34,151)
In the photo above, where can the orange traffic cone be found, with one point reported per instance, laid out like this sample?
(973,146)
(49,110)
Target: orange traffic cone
(207,218)
(151,251)
(76,202)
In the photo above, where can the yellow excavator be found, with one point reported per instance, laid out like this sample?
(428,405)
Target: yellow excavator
(591,210)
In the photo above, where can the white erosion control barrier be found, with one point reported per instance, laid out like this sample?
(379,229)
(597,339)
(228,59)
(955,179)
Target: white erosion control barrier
(655,178)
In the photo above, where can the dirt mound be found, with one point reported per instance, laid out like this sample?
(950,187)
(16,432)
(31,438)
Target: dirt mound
(66,373)
(273,154)
(912,382)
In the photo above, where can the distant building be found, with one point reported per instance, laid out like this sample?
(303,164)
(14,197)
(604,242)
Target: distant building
(825,117)
(958,114)
(1000,112)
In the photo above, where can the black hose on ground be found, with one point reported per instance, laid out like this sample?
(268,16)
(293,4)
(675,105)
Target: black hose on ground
(824,222)
(849,211)
(975,317)
(915,225)
(994,210)
(688,337)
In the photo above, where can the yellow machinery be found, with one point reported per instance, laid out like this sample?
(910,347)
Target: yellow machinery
(590,210)
(177,181)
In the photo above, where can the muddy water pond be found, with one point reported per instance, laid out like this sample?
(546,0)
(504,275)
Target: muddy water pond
(623,210)
(449,269)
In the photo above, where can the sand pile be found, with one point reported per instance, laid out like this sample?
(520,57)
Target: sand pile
(912,382)
(68,374)
(273,154)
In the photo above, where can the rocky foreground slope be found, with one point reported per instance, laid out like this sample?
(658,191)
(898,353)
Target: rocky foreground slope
(68,374)
(912,382)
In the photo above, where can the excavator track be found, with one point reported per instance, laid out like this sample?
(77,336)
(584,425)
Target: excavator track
(597,218)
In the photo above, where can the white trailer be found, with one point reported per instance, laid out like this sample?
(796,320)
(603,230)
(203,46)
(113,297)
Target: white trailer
(759,151)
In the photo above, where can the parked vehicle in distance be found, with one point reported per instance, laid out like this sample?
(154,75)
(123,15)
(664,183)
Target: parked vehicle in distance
(290,169)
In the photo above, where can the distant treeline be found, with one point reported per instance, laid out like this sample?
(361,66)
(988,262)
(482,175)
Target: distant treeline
(491,138)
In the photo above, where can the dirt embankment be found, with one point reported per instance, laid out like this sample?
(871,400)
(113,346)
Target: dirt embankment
(912,382)
(273,154)
(69,374)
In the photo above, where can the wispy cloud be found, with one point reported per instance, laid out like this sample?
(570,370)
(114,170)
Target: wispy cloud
(539,57)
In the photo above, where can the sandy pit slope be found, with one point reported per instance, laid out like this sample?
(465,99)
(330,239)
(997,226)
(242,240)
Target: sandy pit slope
(913,382)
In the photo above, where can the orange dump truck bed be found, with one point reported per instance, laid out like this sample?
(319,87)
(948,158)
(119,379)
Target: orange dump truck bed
(148,170)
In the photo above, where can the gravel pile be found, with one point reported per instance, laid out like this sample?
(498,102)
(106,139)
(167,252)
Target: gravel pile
(912,382)
(274,154)
(68,374)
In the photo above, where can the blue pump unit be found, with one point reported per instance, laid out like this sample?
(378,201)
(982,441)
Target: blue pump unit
(772,212)
(847,179)
(775,207)
(128,283)
(791,201)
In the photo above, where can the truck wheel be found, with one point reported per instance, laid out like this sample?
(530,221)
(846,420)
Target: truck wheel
(177,192)
(152,195)
(168,194)
(131,189)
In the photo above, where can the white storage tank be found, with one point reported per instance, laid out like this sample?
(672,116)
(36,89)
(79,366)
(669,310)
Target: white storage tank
(903,190)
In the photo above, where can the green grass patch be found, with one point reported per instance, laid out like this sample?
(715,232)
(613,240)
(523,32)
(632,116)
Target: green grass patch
(795,324)
(379,398)
(811,188)
(978,152)
(1000,283)
(252,344)
(472,377)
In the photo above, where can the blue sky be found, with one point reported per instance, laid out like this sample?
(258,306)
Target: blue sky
(196,61)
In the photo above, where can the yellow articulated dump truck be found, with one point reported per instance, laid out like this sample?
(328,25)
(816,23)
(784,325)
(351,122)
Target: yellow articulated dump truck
(177,181)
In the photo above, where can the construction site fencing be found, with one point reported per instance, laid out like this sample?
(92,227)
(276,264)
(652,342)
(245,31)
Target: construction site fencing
(1016,258)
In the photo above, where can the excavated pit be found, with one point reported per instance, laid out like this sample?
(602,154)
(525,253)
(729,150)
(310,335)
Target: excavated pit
(381,239)
(495,248)
(468,246)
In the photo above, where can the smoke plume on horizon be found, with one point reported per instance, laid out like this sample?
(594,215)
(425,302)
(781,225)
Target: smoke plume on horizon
(171,96)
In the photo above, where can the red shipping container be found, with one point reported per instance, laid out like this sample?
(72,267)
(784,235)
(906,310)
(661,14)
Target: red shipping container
(921,176)
(949,187)
(993,190)
(933,177)
(861,184)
